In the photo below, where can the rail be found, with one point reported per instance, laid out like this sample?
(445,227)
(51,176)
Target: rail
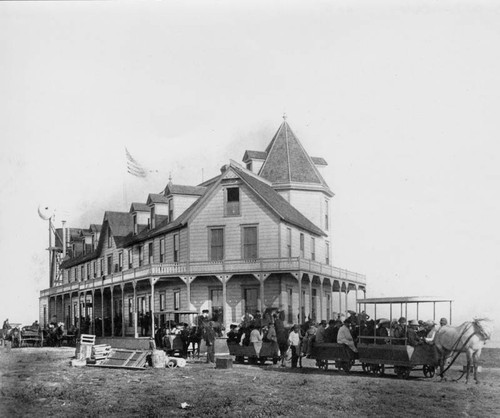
(269,265)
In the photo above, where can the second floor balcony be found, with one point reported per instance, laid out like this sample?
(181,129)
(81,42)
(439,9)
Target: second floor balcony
(205,268)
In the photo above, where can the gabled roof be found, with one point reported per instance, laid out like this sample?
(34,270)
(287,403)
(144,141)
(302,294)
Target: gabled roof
(277,202)
(121,225)
(156,198)
(95,228)
(139,207)
(254,155)
(185,190)
(288,162)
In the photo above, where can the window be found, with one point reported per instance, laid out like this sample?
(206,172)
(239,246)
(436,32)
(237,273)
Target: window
(162,301)
(135,223)
(93,242)
(130,312)
(249,166)
(110,264)
(162,250)
(141,255)
(130,254)
(250,243)
(82,272)
(74,274)
(101,262)
(314,308)
(176,248)
(94,268)
(216,244)
(171,210)
(232,201)
(88,271)
(120,261)
(109,238)
(177,300)
(301,245)
(216,299)
(289,242)
(326,215)
(327,253)
(152,216)
(150,253)
(313,249)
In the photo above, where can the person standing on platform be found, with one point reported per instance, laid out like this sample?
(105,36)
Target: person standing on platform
(209,337)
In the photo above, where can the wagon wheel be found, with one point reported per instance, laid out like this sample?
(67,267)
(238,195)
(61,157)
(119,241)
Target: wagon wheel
(322,364)
(429,371)
(378,369)
(346,366)
(262,360)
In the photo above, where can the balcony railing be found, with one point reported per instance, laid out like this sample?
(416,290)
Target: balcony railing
(198,268)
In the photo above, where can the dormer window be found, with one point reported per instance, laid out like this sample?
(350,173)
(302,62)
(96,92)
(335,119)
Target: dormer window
(232,201)
(171,210)
(109,237)
(152,222)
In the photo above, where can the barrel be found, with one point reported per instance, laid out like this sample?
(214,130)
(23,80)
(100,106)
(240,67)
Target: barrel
(158,358)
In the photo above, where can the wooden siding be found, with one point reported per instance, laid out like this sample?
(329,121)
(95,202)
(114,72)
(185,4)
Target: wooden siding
(181,203)
(252,212)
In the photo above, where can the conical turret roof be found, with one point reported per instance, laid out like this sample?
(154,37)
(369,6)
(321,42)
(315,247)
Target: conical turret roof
(287,161)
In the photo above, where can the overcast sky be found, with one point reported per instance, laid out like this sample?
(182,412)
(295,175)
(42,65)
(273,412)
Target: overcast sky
(400,98)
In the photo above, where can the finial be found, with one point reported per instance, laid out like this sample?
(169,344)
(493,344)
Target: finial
(284,116)
(170,177)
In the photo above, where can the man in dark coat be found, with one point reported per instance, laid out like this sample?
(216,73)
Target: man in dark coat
(209,337)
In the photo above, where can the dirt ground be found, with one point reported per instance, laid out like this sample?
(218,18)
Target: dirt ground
(41,382)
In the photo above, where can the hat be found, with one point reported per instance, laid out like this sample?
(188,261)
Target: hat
(383,321)
(233,326)
(413,323)
(204,311)
(429,323)
(351,312)
(402,320)
(323,322)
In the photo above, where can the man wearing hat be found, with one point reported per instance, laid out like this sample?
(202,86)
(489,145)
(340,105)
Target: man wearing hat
(344,336)
(320,332)
(411,333)
(400,331)
(232,335)
(382,330)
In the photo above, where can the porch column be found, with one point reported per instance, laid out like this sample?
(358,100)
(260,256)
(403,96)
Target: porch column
(187,280)
(93,312)
(134,304)
(261,277)
(64,311)
(71,313)
(102,312)
(310,296)
(321,299)
(331,299)
(225,313)
(112,312)
(152,307)
(346,292)
(340,298)
(299,279)
(122,286)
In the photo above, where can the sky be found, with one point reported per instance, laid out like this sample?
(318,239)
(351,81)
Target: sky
(400,98)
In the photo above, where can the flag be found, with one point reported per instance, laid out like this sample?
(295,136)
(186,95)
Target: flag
(133,167)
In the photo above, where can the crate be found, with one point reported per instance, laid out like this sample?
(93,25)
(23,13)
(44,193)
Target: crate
(223,363)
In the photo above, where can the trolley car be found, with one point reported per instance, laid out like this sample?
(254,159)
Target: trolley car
(377,356)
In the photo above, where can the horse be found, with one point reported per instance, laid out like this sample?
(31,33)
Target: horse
(468,338)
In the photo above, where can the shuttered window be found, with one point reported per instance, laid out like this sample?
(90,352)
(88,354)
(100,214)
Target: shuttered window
(250,243)
(162,250)
(216,244)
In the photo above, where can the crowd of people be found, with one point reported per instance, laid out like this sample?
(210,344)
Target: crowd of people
(349,330)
